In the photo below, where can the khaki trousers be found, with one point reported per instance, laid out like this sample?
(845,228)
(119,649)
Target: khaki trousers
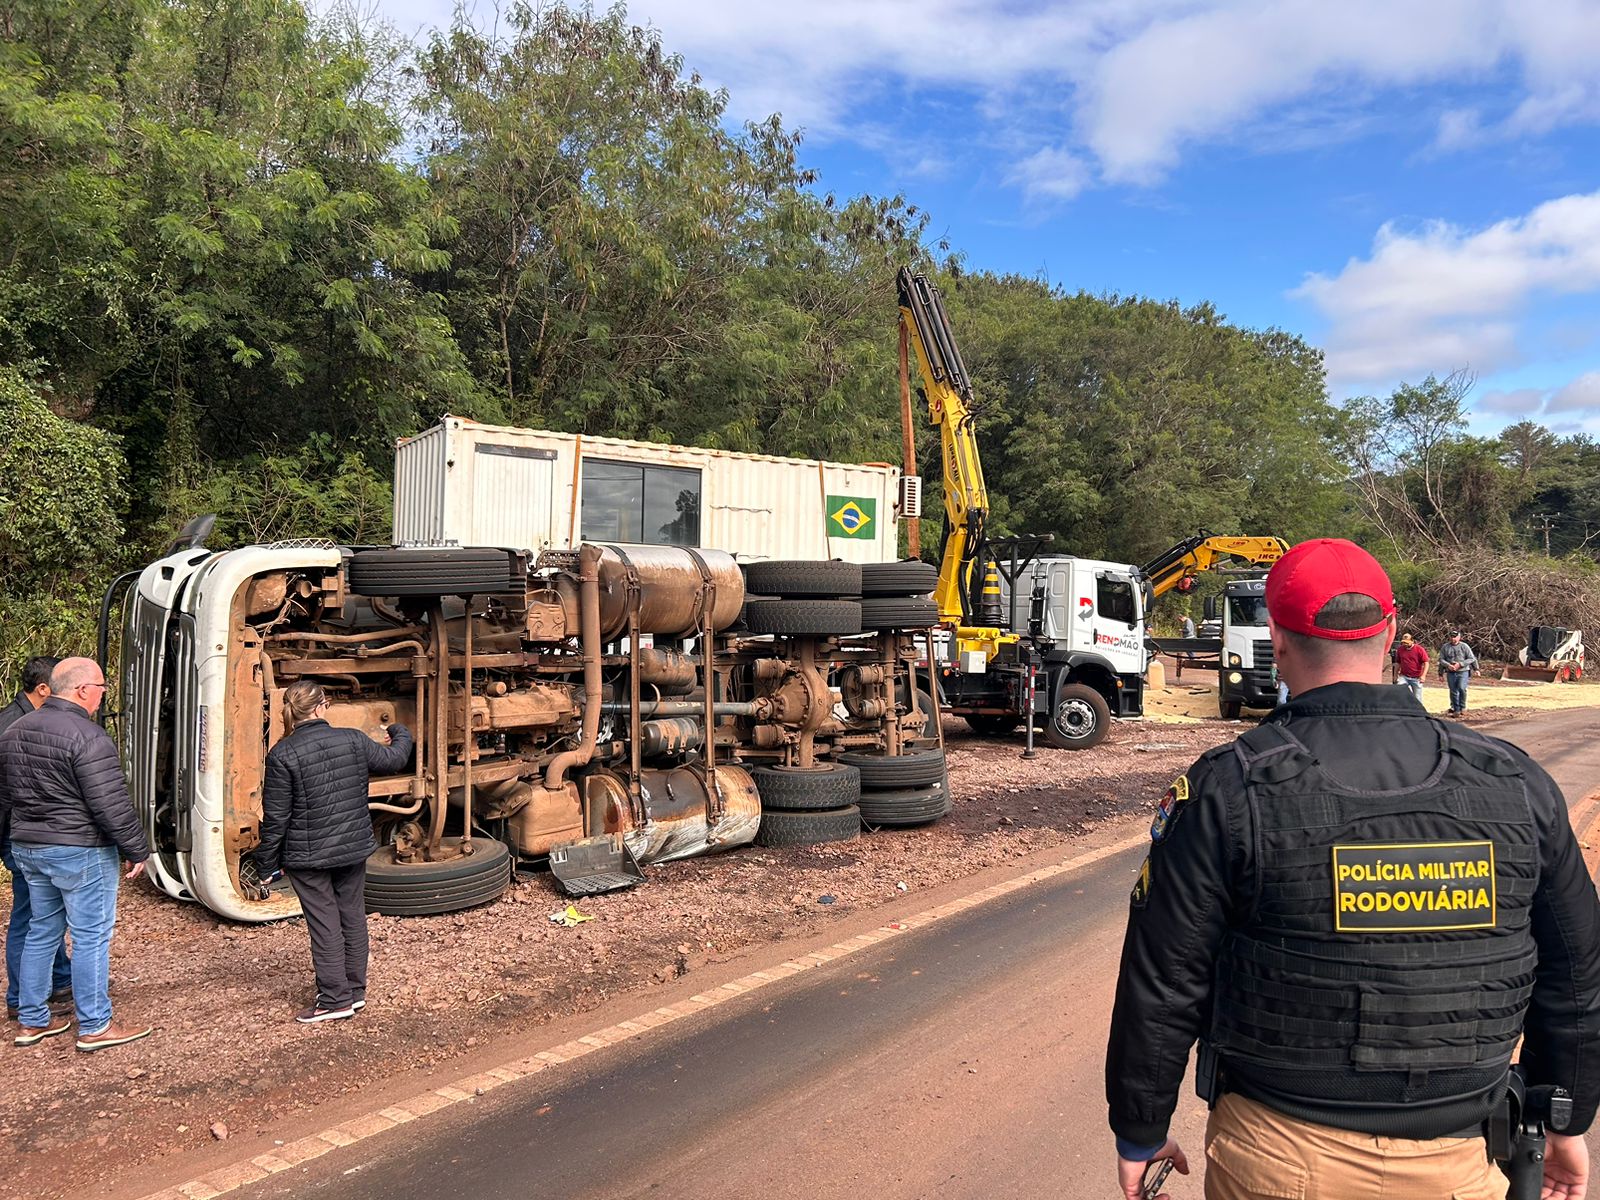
(1253,1151)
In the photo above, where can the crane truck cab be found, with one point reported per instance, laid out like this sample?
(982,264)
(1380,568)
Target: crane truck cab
(1080,627)
(1246,676)
(1071,654)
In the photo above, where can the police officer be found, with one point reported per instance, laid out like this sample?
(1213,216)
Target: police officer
(1358,909)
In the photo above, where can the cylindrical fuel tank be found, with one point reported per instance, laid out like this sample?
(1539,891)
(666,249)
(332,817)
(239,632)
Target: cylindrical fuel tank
(675,800)
(671,589)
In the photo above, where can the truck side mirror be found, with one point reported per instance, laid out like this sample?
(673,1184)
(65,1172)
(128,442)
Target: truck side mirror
(1212,609)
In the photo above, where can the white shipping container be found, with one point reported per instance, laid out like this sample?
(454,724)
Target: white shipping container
(531,489)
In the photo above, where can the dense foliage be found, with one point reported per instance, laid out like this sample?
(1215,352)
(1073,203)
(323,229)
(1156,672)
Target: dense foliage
(248,247)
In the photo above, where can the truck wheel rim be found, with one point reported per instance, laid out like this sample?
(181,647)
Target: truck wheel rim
(1075,718)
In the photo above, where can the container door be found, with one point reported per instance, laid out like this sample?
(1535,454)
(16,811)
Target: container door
(513,493)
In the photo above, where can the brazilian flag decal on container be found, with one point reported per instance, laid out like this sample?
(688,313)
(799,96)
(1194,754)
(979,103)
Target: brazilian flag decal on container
(852,516)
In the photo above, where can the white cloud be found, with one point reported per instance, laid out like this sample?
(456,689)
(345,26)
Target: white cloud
(1127,86)
(1521,402)
(816,62)
(1459,129)
(1444,297)
(1207,74)
(1140,81)
(1051,174)
(1582,394)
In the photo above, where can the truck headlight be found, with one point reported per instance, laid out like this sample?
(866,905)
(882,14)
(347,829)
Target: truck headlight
(1235,661)
(1235,677)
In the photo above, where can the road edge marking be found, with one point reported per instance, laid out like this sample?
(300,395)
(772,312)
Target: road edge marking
(353,1130)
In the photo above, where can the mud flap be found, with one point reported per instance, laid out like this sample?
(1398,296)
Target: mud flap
(595,864)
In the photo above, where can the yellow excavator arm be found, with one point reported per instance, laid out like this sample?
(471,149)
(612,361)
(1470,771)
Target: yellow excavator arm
(949,395)
(1177,567)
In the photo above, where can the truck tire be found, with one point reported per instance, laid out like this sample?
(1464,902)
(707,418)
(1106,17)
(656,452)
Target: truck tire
(910,578)
(738,625)
(447,571)
(880,772)
(801,579)
(1079,719)
(897,613)
(915,806)
(780,828)
(802,789)
(398,889)
(1231,709)
(992,724)
(804,618)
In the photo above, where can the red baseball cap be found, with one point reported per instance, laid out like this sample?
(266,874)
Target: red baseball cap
(1314,572)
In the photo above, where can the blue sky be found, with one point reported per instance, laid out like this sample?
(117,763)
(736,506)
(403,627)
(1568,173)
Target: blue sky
(1413,185)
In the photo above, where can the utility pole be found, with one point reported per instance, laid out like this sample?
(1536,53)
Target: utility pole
(1546,520)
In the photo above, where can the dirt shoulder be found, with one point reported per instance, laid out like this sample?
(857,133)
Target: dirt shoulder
(226,1052)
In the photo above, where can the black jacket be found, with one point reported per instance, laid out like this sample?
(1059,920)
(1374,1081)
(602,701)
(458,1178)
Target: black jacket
(314,801)
(62,784)
(1199,881)
(19,707)
(9,715)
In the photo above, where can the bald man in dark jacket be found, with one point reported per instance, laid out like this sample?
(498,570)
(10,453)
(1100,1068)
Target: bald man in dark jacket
(35,691)
(71,819)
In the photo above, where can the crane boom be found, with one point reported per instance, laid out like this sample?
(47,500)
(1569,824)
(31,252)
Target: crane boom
(1177,566)
(949,395)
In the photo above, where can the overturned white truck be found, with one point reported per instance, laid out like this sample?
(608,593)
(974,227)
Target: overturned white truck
(621,692)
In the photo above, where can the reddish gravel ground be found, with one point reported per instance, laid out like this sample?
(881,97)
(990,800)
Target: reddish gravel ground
(225,1052)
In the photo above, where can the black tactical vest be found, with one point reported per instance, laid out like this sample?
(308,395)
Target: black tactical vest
(1387,959)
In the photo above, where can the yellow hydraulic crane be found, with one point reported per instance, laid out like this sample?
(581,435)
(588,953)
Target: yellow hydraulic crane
(968,600)
(1178,566)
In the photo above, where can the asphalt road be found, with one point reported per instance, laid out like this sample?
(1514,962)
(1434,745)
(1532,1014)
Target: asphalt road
(959,1061)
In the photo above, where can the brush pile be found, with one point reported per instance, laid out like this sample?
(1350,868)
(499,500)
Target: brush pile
(1495,597)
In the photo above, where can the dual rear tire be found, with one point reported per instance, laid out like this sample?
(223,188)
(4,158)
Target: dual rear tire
(806,806)
(902,790)
(828,598)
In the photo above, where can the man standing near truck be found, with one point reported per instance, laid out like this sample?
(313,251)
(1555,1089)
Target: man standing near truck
(1359,910)
(1457,661)
(1411,661)
(35,691)
(71,817)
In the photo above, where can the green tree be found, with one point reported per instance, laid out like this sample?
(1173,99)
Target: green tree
(623,263)
(1120,425)
(239,234)
(61,485)
(1421,481)
(317,490)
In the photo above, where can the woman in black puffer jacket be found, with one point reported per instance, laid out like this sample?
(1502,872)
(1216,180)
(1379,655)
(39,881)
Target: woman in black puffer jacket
(315,826)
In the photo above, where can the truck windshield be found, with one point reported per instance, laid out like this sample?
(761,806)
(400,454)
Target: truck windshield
(1247,610)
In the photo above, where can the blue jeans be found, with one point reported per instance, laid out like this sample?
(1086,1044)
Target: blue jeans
(73,887)
(1414,686)
(1457,682)
(17,933)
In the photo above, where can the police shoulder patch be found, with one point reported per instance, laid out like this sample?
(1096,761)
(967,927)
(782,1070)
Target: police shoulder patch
(1171,805)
